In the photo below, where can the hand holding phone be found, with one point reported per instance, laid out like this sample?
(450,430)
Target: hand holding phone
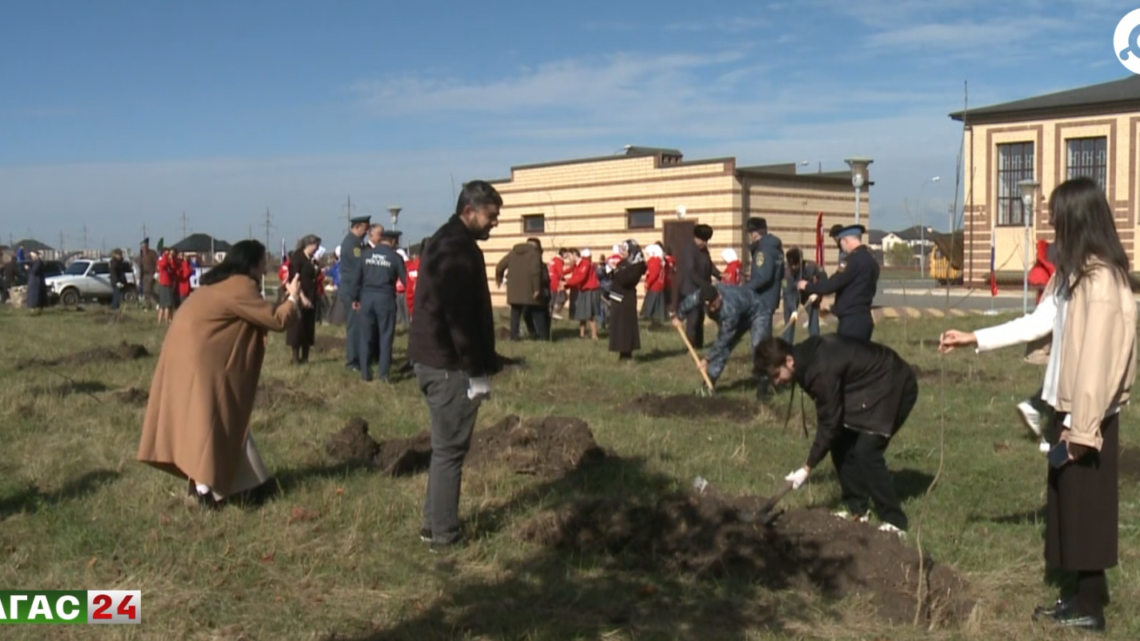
(1059,454)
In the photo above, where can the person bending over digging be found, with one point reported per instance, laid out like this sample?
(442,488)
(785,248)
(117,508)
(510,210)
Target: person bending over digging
(863,393)
(735,309)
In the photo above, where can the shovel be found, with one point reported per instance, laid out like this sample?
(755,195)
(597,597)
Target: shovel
(696,359)
(765,515)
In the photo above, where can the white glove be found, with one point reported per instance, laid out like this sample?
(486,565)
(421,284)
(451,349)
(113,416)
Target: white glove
(797,478)
(479,386)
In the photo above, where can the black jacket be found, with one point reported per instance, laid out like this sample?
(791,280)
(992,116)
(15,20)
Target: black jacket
(453,327)
(301,264)
(855,384)
(695,268)
(854,287)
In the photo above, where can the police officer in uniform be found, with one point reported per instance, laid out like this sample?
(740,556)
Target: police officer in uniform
(854,284)
(764,280)
(374,298)
(351,249)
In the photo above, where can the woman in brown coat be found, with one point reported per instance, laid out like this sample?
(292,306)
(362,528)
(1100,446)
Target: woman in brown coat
(202,393)
(302,333)
(1089,311)
(625,334)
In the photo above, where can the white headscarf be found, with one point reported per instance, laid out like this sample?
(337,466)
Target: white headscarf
(320,253)
(585,253)
(402,254)
(729,255)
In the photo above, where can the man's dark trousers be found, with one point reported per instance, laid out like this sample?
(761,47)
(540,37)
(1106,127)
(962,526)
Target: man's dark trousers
(695,327)
(453,417)
(376,326)
(535,318)
(859,327)
(862,469)
(352,335)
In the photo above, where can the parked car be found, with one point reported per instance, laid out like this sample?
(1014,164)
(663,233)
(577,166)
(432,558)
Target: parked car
(87,279)
(51,268)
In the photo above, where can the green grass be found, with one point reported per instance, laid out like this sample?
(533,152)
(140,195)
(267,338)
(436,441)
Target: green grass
(337,551)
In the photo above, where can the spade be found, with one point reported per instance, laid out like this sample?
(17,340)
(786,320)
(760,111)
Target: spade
(765,515)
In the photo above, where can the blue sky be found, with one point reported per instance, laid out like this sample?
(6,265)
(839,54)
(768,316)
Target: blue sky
(118,113)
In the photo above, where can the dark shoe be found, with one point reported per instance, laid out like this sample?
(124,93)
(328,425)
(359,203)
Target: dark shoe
(1070,617)
(1047,611)
(425,534)
(448,547)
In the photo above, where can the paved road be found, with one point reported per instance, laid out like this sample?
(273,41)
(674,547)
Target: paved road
(927,294)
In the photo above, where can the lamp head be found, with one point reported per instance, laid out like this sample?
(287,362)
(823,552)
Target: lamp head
(1028,191)
(395,211)
(858,166)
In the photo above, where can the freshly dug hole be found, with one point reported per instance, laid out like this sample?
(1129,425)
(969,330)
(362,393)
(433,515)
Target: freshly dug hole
(123,352)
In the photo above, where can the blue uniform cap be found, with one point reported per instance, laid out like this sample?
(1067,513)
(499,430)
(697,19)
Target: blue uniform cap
(361,219)
(391,233)
(849,230)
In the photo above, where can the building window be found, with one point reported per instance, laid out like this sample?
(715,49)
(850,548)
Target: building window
(1089,157)
(534,224)
(640,218)
(1015,164)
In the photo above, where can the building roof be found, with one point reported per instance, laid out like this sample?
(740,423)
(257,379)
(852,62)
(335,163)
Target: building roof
(875,236)
(788,170)
(1108,96)
(31,244)
(952,245)
(912,233)
(200,244)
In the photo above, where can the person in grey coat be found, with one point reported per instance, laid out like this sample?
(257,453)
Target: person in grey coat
(37,283)
(351,249)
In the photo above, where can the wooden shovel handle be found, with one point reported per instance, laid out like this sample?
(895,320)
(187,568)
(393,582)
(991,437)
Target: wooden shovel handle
(696,359)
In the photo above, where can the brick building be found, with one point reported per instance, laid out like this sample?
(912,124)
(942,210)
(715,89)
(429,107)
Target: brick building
(652,194)
(1089,131)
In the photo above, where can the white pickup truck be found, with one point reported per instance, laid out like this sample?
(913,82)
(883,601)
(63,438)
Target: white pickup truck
(87,279)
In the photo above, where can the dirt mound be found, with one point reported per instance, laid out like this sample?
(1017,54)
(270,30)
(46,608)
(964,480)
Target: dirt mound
(132,396)
(545,447)
(954,376)
(274,393)
(327,344)
(693,405)
(123,352)
(715,538)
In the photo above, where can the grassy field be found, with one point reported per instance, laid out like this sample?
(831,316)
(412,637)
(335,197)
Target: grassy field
(335,555)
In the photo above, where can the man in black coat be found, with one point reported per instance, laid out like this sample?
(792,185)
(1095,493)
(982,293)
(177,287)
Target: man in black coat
(797,269)
(694,269)
(863,393)
(854,285)
(451,344)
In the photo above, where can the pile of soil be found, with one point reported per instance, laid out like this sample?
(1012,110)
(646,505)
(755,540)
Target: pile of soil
(691,405)
(123,352)
(546,447)
(953,376)
(132,396)
(714,538)
(274,393)
(323,344)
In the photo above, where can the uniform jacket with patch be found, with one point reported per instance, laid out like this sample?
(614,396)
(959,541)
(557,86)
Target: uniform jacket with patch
(854,286)
(738,305)
(767,268)
(855,385)
(351,249)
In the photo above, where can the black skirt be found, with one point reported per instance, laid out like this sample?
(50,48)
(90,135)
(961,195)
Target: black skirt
(1083,505)
(303,330)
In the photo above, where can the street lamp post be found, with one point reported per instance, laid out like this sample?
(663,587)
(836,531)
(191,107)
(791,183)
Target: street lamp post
(858,166)
(395,211)
(1028,199)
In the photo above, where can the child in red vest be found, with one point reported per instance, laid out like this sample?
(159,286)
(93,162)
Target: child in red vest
(167,278)
(588,300)
(731,273)
(653,309)
(183,271)
(557,271)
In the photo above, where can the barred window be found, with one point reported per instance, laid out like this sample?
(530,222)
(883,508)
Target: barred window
(1015,164)
(1089,157)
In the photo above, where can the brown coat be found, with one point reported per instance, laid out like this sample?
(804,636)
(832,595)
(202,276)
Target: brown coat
(204,385)
(524,269)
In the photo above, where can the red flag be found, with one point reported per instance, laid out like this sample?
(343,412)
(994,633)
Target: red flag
(819,240)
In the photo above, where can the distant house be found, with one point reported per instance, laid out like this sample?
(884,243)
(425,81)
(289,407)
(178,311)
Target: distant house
(203,246)
(875,238)
(31,244)
(889,240)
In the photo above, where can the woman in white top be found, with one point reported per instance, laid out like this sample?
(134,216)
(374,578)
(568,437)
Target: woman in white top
(1089,309)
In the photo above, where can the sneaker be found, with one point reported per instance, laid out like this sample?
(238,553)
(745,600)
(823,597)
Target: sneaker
(425,534)
(847,516)
(1030,417)
(891,529)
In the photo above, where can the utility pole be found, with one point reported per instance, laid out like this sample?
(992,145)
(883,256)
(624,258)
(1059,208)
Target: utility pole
(84,237)
(61,248)
(348,211)
(184,224)
(268,225)
(145,235)
(250,236)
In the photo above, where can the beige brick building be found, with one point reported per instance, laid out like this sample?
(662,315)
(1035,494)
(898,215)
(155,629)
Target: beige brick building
(1090,131)
(599,202)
